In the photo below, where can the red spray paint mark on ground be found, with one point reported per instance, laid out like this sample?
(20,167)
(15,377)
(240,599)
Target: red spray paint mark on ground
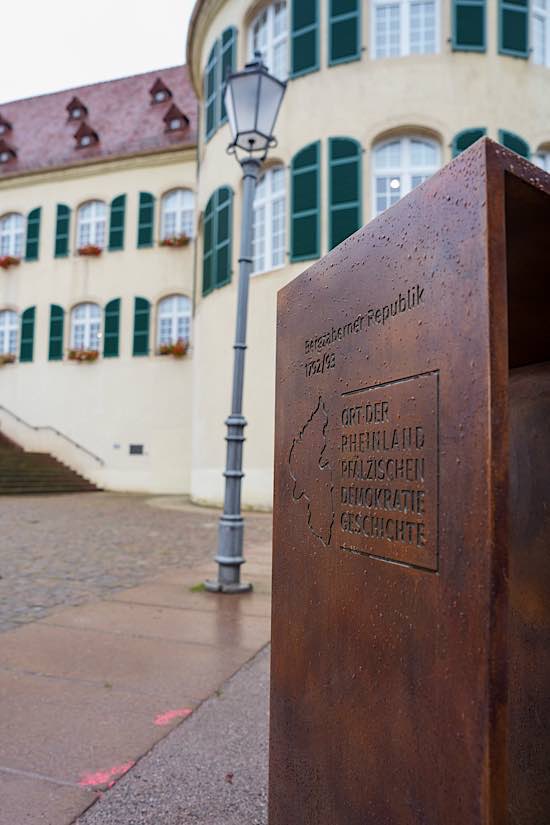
(168,717)
(107,777)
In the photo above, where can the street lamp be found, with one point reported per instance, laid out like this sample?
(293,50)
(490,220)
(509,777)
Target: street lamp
(252,100)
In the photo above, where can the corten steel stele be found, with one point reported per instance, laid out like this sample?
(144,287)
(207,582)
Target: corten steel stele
(411,585)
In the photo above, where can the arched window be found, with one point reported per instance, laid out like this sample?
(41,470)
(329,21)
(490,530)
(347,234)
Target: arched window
(401,164)
(12,235)
(541,31)
(403,27)
(91,224)
(269,36)
(9,328)
(174,320)
(268,227)
(542,159)
(85,327)
(177,214)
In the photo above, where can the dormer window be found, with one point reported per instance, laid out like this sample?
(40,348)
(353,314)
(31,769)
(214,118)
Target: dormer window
(76,109)
(159,91)
(175,119)
(85,136)
(7,153)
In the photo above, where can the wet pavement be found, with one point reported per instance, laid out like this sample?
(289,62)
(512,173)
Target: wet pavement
(86,691)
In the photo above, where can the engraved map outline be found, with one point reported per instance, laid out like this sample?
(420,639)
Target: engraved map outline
(378,556)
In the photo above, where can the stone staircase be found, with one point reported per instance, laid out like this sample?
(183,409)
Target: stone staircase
(33,473)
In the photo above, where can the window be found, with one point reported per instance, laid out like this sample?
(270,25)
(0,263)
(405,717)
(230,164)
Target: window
(269,36)
(174,320)
(541,32)
(268,226)
(9,327)
(178,214)
(85,327)
(12,235)
(91,224)
(403,27)
(400,165)
(542,159)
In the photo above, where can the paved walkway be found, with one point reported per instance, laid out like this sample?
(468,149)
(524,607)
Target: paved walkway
(86,691)
(69,549)
(212,770)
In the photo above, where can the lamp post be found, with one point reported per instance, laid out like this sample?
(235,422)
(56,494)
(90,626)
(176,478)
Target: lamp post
(252,100)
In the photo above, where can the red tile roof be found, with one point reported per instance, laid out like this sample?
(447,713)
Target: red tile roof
(120,111)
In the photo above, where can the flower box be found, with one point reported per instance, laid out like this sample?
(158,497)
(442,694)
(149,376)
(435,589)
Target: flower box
(176,241)
(177,350)
(7,358)
(8,260)
(90,251)
(83,355)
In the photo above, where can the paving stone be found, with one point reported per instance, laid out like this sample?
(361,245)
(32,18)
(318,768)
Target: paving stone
(76,548)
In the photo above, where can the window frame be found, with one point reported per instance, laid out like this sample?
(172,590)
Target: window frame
(87,322)
(174,318)
(268,203)
(7,346)
(94,222)
(533,14)
(269,9)
(163,236)
(402,174)
(541,158)
(404,29)
(15,234)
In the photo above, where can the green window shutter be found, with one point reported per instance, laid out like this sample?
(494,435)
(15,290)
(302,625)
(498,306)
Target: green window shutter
(514,142)
(111,329)
(33,235)
(55,349)
(304,48)
(227,64)
(62,229)
(305,203)
(344,189)
(469,25)
(26,347)
(211,91)
(223,233)
(463,139)
(142,314)
(344,31)
(218,231)
(116,223)
(146,220)
(513,27)
(208,251)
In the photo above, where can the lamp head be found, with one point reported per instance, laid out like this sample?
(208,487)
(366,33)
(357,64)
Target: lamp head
(252,99)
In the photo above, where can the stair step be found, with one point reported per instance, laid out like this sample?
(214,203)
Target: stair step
(36,473)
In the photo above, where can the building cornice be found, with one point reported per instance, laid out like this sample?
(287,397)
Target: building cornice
(116,163)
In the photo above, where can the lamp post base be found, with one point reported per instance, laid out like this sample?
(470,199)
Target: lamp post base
(216,586)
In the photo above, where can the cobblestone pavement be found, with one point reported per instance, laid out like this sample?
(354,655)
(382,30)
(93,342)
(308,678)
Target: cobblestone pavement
(69,549)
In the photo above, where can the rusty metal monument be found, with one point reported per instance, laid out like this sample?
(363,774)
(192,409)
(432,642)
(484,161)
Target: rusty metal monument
(411,600)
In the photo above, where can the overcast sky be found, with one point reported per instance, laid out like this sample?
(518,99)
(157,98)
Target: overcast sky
(54,45)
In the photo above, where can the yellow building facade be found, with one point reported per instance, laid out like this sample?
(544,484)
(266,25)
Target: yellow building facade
(408,84)
(380,95)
